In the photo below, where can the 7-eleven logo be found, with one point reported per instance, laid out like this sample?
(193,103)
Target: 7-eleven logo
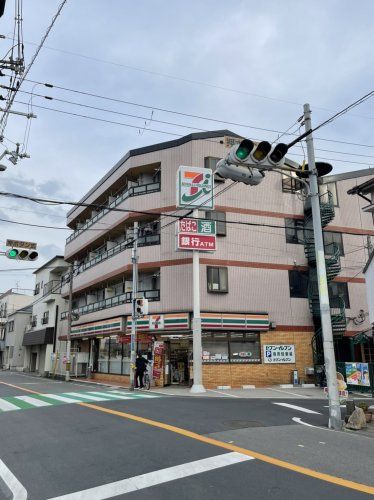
(156,322)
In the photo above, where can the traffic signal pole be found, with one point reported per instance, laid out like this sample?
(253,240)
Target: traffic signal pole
(197,386)
(134,259)
(335,421)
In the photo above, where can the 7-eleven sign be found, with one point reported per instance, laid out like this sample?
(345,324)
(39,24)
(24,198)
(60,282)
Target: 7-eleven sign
(156,322)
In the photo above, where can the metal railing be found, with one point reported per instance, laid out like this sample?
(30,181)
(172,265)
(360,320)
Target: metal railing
(128,193)
(53,286)
(124,298)
(143,241)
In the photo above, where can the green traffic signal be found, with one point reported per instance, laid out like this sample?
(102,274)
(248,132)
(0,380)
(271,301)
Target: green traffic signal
(244,149)
(12,254)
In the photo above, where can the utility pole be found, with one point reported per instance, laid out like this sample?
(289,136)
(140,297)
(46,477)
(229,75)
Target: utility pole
(134,260)
(68,336)
(197,386)
(335,421)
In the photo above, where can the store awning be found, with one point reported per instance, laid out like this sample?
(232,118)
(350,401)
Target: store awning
(39,337)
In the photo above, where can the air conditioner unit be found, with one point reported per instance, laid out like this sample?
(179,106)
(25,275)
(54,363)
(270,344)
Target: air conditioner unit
(129,233)
(132,184)
(92,255)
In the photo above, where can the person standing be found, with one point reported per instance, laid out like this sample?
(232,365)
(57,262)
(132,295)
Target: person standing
(141,366)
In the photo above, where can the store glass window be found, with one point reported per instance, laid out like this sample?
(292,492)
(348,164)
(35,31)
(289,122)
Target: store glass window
(126,359)
(294,231)
(104,355)
(336,291)
(298,284)
(245,348)
(215,348)
(332,239)
(115,351)
(217,279)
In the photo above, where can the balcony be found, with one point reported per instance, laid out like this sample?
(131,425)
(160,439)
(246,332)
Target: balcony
(45,320)
(128,193)
(53,286)
(143,241)
(124,298)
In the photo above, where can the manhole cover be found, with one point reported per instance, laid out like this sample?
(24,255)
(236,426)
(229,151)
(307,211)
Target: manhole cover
(242,424)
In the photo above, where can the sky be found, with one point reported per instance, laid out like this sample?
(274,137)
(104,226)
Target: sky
(247,62)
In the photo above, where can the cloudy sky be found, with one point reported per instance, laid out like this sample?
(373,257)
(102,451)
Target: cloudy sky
(247,62)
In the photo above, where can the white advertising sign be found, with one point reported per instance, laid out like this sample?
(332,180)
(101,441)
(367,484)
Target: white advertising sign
(276,353)
(195,188)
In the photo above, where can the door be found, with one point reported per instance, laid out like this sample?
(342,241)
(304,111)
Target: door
(34,357)
(95,355)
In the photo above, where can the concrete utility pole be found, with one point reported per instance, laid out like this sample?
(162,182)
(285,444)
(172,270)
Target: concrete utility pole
(68,336)
(197,386)
(335,421)
(134,260)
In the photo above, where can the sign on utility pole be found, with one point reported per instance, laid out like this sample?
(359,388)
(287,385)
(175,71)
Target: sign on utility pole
(195,189)
(196,235)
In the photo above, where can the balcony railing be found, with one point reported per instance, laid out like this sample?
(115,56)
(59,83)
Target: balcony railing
(151,239)
(45,320)
(124,298)
(128,193)
(53,286)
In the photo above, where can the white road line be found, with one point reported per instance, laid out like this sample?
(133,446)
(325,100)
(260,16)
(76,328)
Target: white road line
(224,393)
(6,406)
(299,408)
(12,483)
(157,477)
(135,394)
(107,394)
(58,397)
(299,421)
(288,392)
(33,401)
(86,396)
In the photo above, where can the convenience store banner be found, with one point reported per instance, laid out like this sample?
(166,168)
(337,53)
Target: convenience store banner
(104,327)
(161,322)
(253,322)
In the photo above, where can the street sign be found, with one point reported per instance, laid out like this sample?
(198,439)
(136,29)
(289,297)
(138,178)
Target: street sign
(276,353)
(195,188)
(195,234)
(21,244)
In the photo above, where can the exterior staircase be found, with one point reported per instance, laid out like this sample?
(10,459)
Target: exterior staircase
(333,268)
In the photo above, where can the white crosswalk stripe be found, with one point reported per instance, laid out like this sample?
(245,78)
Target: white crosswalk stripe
(137,394)
(87,396)
(33,401)
(111,396)
(6,406)
(58,397)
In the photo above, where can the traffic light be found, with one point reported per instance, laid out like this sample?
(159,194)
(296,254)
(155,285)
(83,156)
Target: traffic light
(246,161)
(21,254)
(141,307)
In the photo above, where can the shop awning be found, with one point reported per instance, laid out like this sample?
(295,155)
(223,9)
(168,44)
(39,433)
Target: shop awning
(39,337)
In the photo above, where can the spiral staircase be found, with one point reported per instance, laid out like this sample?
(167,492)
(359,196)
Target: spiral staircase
(333,268)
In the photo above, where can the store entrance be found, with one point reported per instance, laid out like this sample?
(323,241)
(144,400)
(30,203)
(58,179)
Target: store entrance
(179,361)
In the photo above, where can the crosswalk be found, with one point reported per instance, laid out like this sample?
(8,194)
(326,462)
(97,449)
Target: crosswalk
(12,403)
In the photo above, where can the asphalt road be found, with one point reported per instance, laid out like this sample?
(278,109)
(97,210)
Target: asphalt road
(210,448)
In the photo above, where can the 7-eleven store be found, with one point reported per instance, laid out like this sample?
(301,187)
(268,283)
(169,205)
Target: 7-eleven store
(232,348)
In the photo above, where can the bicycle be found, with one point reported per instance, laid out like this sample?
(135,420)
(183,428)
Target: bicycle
(146,381)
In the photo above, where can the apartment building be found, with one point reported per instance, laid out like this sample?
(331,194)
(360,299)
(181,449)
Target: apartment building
(10,301)
(39,339)
(260,313)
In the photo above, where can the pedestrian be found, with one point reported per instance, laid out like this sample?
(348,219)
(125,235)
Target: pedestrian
(141,366)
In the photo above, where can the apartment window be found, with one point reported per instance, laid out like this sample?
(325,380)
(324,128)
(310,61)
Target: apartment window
(220,218)
(11,351)
(329,186)
(298,284)
(45,318)
(217,279)
(34,321)
(211,162)
(294,231)
(37,289)
(330,237)
(336,291)
(290,184)
(11,326)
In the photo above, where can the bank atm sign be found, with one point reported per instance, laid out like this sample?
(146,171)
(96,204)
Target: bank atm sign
(276,353)
(193,234)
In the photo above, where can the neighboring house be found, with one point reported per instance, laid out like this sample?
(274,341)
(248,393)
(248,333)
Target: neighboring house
(16,327)
(254,288)
(10,301)
(40,336)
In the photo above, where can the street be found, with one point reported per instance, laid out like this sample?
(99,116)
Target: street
(112,443)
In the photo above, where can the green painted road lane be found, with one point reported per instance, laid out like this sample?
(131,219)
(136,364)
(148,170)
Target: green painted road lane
(12,403)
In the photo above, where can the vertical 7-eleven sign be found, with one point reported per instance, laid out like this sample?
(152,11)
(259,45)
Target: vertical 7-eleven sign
(195,188)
